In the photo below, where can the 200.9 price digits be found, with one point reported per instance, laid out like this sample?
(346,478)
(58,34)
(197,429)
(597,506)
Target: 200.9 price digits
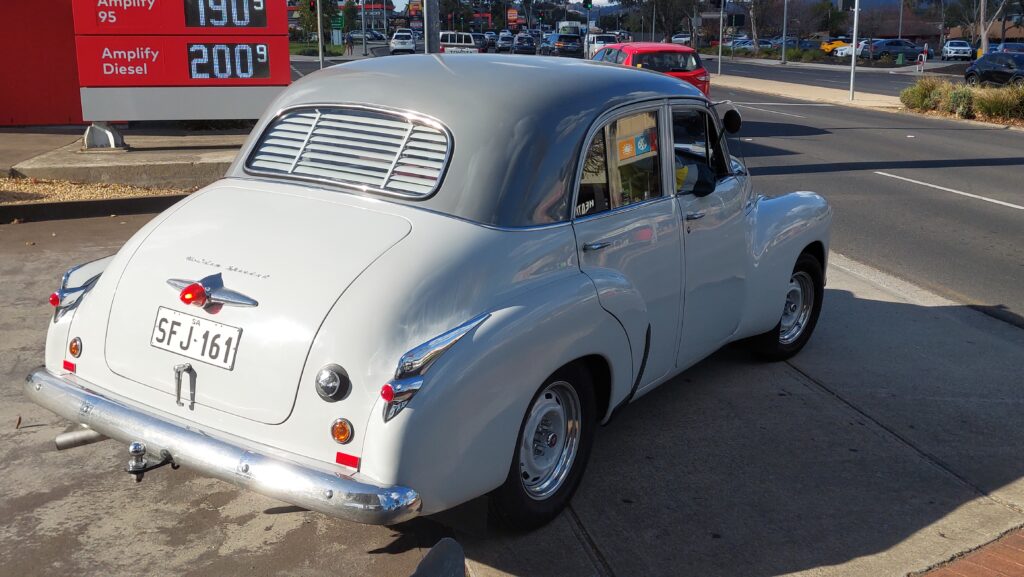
(228,61)
(225,13)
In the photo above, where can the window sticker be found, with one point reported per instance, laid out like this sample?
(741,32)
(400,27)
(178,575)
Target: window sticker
(638,146)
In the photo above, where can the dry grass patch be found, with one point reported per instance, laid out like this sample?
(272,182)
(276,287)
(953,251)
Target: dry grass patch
(29,190)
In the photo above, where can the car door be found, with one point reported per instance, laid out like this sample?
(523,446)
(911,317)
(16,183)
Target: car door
(714,197)
(998,69)
(628,234)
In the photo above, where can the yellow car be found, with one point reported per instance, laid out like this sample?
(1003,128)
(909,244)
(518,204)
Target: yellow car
(828,47)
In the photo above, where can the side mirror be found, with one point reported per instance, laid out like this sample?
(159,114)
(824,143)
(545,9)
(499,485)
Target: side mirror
(732,121)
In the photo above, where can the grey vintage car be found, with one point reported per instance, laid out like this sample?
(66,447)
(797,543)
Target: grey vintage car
(403,296)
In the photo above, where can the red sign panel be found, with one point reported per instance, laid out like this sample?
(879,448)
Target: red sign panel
(180,17)
(183,60)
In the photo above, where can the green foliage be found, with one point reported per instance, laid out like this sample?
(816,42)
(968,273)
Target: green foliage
(961,100)
(307,17)
(919,96)
(814,55)
(999,103)
(349,11)
(886,60)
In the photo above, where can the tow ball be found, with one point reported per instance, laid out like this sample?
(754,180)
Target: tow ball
(139,466)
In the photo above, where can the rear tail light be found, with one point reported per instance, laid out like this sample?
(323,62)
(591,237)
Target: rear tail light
(341,431)
(193,294)
(54,299)
(703,78)
(442,48)
(75,347)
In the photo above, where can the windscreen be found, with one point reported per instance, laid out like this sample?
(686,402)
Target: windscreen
(668,61)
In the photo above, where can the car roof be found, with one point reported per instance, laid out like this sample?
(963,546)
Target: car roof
(514,140)
(648,47)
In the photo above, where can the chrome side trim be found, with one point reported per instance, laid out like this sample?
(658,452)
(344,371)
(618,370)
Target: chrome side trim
(70,296)
(334,494)
(416,362)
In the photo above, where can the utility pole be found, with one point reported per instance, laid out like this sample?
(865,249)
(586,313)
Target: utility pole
(319,34)
(785,21)
(853,45)
(363,4)
(982,28)
(899,34)
(653,19)
(721,32)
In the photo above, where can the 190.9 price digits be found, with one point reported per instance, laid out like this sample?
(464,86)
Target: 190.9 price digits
(225,13)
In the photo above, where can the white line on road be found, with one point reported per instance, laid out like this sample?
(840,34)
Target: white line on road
(782,104)
(961,193)
(771,111)
(296,70)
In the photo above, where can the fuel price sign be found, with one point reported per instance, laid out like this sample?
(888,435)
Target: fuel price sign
(180,59)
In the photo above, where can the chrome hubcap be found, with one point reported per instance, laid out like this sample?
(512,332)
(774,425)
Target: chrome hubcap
(797,311)
(550,440)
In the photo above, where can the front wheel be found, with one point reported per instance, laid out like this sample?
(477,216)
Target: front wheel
(972,80)
(799,313)
(551,451)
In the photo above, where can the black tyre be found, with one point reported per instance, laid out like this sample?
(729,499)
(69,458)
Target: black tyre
(1019,81)
(799,315)
(551,451)
(972,79)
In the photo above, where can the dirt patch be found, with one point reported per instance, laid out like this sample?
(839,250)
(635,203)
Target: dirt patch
(31,190)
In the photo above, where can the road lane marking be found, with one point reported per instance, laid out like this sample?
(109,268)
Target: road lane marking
(296,70)
(771,111)
(961,193)
(783,103)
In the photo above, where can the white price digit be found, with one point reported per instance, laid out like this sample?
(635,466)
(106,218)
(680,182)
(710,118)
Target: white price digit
(202,58)
(242,20)
(107,17)
(221,51)
(261,53)
(218,5)
(257,5)
(243,67)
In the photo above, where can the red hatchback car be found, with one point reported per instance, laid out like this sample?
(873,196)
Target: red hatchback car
(681,62)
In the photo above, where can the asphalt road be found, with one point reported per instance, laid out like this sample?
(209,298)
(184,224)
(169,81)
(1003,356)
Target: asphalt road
(958,230)
(873,81)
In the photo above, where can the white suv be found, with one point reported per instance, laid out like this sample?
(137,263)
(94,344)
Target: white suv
(956,49)
(402,42)
(458,43)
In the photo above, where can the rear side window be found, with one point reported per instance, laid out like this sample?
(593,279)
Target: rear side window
(622,165)
(355,147)
(668,61)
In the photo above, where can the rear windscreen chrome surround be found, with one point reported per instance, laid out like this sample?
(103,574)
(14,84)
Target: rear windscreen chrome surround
(370,149)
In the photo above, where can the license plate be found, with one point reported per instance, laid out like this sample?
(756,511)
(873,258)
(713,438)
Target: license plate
(196,338)
(460,50)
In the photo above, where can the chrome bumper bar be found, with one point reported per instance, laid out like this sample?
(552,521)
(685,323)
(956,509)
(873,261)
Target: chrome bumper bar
(333,494)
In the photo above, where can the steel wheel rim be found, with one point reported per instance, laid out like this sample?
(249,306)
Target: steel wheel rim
(797,311)
(550,440)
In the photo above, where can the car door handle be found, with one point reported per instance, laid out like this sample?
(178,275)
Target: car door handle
(694,215)
(596,245)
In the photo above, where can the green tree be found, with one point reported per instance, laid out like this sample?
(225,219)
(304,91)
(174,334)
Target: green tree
(307,17)
(350,12)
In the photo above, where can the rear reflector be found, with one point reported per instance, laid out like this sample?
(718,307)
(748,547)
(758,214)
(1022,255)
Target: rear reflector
(347,460)
(69,366)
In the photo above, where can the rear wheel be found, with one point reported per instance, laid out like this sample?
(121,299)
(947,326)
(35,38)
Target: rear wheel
(551,451)
(972,79)
(799,313)
(1019,81)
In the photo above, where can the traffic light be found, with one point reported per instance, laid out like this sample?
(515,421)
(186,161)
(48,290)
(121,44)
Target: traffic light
(588,4)
(312,6)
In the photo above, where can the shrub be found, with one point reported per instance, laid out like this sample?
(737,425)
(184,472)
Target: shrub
(1006,102)
(813,55)
(940,100)
(961,100)
(918,96)
(886,60)
(793,54)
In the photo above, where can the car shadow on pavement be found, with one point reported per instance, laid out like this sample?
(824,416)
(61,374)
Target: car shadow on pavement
(863,444)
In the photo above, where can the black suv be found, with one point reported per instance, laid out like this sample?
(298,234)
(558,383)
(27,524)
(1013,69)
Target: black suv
(563,45)
(1000,68)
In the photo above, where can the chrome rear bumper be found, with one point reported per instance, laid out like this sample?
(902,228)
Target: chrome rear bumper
(333,494)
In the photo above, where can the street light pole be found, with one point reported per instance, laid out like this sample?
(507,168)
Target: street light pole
(785,21)
(319,34)
(853,45)
(899,34)
(363,4)
(721,32)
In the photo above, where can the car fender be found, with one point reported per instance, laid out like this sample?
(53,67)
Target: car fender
(619,297)
(781,228)
(456,438)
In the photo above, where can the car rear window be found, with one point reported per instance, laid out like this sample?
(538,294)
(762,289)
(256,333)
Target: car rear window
(403,36)
(668,61)
(605,39)
(568,38)
(367,149)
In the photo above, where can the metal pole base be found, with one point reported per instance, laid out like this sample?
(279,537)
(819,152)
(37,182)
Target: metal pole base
(102,136)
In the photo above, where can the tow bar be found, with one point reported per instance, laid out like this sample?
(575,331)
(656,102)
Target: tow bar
(137,464)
